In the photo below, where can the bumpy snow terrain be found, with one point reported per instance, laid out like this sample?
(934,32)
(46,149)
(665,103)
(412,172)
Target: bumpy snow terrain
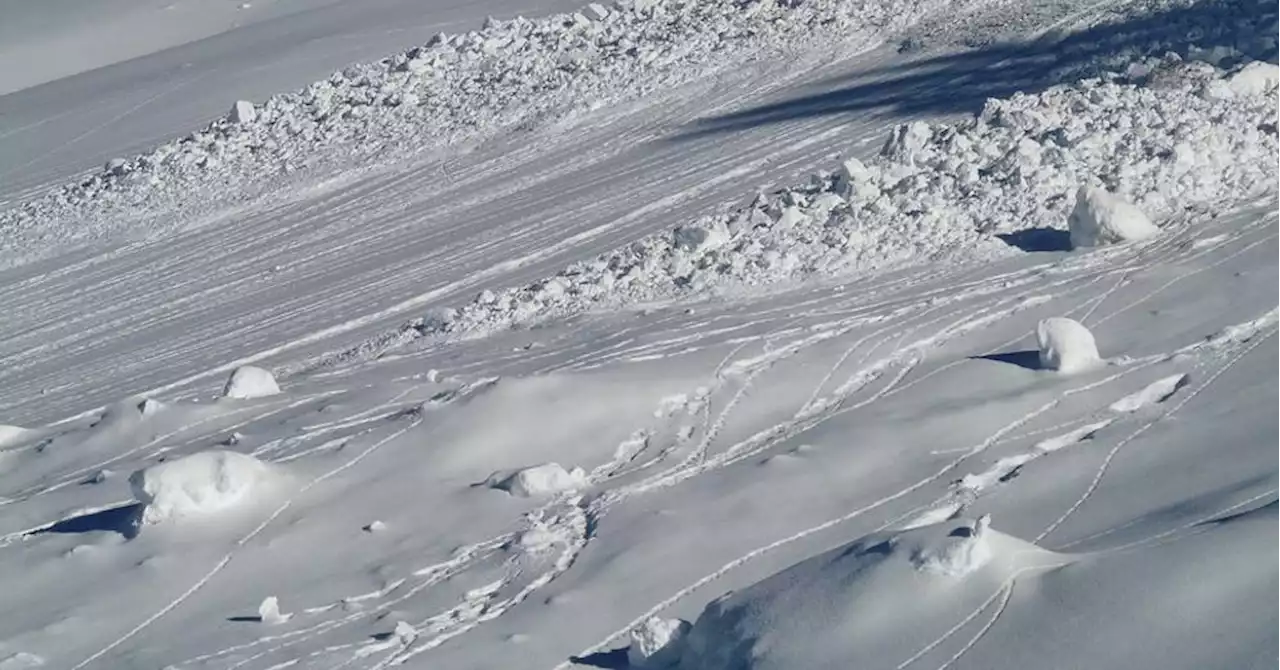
(653,334)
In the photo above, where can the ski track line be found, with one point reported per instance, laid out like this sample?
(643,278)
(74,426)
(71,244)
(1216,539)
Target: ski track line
(1172,534)
(1004,603)
(759,551)
(226,559)
(1106,462)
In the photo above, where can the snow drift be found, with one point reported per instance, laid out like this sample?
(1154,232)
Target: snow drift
(878,598)
(198,485)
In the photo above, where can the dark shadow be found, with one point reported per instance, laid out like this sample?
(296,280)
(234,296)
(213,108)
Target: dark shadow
(1268,510)
(123,520)
(1029,359)
(245,619)
(1038,239)
(961,531)
(614,659)
(962,82)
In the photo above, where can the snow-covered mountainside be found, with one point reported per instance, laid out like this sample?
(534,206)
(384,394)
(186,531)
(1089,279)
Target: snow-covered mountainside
(724,335)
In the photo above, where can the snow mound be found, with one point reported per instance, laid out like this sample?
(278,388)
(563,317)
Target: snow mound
(1066,345)
(201,484)
(1100,218)
(881,597)
(538,480)
(250,382)
(11,434)
(1256,78)
(269,612)
(656,642)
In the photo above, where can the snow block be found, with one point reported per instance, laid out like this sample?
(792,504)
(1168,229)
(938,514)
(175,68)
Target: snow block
(538,480)
(243,112)
(1256,78)
(250,382)
(700,238)
(201,484)
(11,434)
(1066,346)
(656,643)
(1100,218)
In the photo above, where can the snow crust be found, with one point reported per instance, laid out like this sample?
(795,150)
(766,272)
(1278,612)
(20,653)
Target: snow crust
(1100,218)
(248,382)
(538,480)
(198,485)
(1066,346)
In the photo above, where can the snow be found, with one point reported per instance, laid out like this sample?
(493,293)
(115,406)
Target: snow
(537,480)
(199,485)
(657,643)
(770,279)
(1100,218)
(248,382)
(269,612)
(1066,346)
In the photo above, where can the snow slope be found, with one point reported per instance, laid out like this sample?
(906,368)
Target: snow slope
(745,381)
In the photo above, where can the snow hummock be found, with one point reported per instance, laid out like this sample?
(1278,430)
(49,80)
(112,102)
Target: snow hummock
(656,642)
(538,480)
(1100,218)
(1066,345)
(1256,78)
(862,603)
(269,611)
(12,434)
(250,382)
(201,484)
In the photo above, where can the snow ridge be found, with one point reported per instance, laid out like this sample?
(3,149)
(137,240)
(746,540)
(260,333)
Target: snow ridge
(513,74)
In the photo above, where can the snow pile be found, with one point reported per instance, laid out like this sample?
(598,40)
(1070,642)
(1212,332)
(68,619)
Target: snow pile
(938,190)
(517,73)
(269,612)
(1066,346)
(203,483)
(863,603)
(250,382)
(12,434)
(538,480)
(1100,218)
(656,643)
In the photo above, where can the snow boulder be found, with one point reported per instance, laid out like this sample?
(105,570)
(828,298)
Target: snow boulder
(1256,78)
(539,480)
(1066,346)
(11,434)
(250,382)
(201,484)
(243,112)
(655,643)
(1100,218)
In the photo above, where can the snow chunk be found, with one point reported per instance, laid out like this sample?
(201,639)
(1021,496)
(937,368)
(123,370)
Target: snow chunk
(269,612)
(1101,218)
(200,484)
(700,238)
(1066,345)
(21,661)
(1256,78)
(250,382)
(655,643)
(243,112)
(538,480)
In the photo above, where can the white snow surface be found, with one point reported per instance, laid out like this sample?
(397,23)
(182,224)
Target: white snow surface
(749,267)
